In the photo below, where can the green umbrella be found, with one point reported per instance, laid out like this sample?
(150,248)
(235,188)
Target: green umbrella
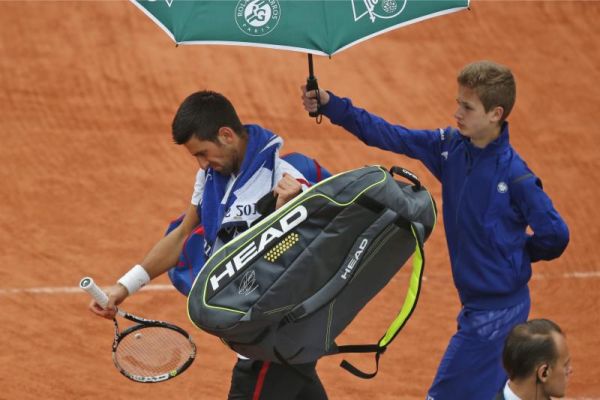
(323,27)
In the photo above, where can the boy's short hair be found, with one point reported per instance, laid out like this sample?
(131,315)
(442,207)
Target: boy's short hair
(202,114)
(494,84)
(529,345)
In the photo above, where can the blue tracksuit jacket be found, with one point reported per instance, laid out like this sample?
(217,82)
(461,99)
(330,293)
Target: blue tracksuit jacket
(489,196)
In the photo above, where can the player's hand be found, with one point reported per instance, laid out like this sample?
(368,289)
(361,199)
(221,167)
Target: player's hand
(287,188)
(309,99)
(116,294)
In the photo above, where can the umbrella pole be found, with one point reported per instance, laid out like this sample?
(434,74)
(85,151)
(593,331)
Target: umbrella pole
(311,84)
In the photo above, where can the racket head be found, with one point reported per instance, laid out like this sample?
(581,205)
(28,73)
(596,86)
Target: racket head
(152,351)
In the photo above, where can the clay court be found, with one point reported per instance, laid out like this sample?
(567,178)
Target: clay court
(90,178)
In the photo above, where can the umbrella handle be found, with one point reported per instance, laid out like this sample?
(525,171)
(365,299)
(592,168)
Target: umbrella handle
(312,84)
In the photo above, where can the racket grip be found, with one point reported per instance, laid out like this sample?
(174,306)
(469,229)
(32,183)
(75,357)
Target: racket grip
(94,290)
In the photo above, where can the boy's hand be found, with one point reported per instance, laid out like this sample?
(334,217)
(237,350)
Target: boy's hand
(309,99)
(287,188)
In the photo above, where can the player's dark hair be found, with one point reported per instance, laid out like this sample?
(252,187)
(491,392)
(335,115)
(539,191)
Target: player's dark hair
(202,114)
(494,84)
(528,346)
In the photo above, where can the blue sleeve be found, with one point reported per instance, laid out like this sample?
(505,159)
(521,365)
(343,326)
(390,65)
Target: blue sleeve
(550,233)
(423,145)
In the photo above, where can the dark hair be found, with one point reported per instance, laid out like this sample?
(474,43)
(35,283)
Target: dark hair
(202,114)
(494,84)
(529,345)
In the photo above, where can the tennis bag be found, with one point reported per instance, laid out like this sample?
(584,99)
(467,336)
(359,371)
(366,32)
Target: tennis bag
(287,287)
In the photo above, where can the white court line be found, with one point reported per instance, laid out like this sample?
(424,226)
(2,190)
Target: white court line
(540,277)
(160,288)
(592,274)
(163,288)
(568,275)
(74,289)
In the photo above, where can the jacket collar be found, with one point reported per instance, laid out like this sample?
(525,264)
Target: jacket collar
(495,146)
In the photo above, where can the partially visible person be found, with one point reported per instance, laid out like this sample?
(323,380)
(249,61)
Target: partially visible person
(239,164)
(490,199)
(537,361)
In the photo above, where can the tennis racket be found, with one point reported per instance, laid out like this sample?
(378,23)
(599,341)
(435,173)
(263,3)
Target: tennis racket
(149,351)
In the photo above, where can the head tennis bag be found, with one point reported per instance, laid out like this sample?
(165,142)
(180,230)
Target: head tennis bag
(288,286)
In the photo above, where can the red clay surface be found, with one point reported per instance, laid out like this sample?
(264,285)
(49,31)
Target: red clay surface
(89,177)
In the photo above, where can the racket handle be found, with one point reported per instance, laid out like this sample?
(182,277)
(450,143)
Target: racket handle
(94,290)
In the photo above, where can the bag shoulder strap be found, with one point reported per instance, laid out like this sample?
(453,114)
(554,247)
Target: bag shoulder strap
(343,276)
(410,302)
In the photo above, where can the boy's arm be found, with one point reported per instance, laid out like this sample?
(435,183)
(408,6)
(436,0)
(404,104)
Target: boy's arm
(423,145)
(550,232)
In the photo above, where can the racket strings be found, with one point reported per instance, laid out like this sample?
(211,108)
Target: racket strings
(153,351)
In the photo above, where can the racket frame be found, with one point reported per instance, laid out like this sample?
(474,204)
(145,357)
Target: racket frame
(88,285)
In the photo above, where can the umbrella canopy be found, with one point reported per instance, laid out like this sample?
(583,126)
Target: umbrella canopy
(323,27)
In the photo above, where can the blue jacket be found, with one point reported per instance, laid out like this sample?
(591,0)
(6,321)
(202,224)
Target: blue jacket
(489,196)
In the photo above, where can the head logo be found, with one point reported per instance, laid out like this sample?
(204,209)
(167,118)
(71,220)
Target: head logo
(244,256)
(385,9)
(257,17)
(502,187)
(354,260)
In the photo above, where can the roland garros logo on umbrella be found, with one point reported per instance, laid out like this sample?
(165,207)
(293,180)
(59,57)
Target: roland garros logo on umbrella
(385,9)
(257,17)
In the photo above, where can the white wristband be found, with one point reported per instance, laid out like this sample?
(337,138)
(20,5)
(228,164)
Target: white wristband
(134,279)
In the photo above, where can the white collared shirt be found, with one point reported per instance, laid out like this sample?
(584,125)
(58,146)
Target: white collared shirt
(509,394)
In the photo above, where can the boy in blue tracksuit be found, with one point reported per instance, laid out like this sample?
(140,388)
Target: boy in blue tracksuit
(490,197)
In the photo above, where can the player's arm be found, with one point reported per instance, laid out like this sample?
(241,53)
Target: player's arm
(163,255)
(289,182)
(165,252)
(286,189)
(159,259)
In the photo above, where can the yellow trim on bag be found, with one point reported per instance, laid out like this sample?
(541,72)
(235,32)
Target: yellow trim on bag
(410,300)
